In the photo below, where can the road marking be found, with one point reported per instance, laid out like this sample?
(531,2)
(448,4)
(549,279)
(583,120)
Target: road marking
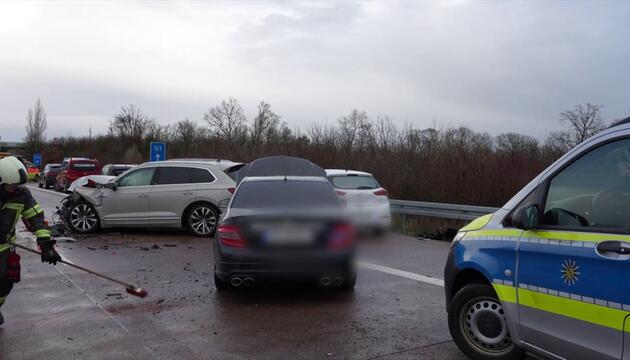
(48,191)
(401,273)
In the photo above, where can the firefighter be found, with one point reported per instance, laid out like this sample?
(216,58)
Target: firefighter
(16,201)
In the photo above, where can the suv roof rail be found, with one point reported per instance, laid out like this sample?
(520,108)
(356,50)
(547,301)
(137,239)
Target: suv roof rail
(620,122)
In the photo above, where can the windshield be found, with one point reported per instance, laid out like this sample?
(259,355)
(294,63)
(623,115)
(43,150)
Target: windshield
(354,182)
(276,194)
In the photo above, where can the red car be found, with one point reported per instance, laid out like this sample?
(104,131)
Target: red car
(74,168)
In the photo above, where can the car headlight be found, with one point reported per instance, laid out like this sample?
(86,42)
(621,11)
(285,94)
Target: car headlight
(460,235)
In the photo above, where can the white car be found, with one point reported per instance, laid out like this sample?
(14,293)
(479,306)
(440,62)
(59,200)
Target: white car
(365,199)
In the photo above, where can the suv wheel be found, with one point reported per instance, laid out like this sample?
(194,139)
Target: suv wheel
(202,220)
(478,325)
(83,218)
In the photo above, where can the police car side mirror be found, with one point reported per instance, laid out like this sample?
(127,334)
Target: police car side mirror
(526,218)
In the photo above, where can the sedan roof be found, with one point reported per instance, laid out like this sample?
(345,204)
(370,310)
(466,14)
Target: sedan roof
(280,166)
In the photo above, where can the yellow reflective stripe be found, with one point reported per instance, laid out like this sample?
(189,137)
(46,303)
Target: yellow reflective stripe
(505,292)
(41,233)
(478,223)
(2,300)
(501,232)
(592,313)
(575,236)
(13,206)
(549,234)
(27,214)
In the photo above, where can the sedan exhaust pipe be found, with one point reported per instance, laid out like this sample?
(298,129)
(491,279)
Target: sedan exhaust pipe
(236,281)
(248,281)
(337,281)
(324,281)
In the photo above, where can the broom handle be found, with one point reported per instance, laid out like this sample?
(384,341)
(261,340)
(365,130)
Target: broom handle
(78,267)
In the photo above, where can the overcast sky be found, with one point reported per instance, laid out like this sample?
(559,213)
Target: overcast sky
(492,66)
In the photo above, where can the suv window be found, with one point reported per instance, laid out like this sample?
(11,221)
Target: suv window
(593,191)
(172,175)
(140,177)
(197,175)
(117,171)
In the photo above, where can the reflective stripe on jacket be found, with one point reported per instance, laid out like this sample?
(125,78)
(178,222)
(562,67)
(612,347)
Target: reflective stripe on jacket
(16,204)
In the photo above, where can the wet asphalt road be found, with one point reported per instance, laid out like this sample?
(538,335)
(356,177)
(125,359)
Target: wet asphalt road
(60,313)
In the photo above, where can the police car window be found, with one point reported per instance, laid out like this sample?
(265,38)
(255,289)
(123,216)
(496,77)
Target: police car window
(140,177)
(593,191)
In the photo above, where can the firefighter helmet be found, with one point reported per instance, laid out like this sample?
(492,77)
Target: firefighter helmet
(12,171)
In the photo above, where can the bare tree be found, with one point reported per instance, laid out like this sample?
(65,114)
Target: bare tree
(36,125)
(385,132)
(227,119)
(131,125)
(514,143)
(186,134)
(265,123)
(350,127)
(583,122)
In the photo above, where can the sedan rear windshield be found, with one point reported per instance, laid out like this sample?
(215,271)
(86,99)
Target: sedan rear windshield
(354,182)
(83,166)
(280,194)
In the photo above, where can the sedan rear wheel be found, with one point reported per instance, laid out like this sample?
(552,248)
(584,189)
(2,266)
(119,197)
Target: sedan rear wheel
(202,220)
(83,218)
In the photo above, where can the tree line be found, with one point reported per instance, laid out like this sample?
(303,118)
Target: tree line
(456,165)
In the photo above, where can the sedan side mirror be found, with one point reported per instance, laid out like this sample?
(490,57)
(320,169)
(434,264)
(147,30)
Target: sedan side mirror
(111,185)
(526,218)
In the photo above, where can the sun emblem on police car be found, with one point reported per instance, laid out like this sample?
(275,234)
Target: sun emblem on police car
(570,272)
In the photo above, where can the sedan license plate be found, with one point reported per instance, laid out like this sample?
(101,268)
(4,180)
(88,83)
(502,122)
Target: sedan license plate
(288,236)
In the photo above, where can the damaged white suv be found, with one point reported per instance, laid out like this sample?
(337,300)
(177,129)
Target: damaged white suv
(175,194)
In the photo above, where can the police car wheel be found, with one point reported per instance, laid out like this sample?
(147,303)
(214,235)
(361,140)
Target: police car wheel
(83,218)
(478,325)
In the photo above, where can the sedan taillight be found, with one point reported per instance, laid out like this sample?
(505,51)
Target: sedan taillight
(342,236)
(381,192)
(229,235)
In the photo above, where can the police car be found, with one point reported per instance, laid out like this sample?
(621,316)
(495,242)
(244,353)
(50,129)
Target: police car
(549,273)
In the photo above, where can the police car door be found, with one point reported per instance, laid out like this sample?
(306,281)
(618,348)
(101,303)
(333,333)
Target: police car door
(573,287)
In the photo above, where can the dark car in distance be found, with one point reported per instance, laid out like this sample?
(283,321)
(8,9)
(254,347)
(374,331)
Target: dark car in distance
(284,228)
(49,175)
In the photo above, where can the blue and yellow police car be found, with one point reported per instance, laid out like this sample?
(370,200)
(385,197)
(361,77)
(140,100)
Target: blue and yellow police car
(549,273)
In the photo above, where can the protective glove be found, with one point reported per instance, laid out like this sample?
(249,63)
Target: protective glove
(49,254)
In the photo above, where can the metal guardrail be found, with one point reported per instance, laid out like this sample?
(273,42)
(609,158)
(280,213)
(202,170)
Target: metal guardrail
(438,210)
